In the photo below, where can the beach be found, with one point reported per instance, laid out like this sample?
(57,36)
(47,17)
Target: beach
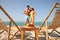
(13,20)
(29,35)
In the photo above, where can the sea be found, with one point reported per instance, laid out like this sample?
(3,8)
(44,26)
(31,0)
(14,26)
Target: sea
(22,23)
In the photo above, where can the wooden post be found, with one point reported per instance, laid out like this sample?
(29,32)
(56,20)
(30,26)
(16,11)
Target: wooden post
(22,35)
(36,34)
(9,31)
(46,31)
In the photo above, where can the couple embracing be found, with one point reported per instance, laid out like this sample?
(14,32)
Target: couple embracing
(29,16)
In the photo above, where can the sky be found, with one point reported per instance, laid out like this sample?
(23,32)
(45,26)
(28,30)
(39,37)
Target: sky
(15,8)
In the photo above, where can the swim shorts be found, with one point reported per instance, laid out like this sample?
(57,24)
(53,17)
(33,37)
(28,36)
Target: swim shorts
(27,17)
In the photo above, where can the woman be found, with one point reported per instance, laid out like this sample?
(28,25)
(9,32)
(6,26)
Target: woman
(32,17)
(27,15)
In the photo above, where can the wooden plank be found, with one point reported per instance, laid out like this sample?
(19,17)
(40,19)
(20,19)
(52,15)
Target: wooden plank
(57,6)
(29,29)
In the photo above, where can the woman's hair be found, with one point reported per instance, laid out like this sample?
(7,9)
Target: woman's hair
(33,9)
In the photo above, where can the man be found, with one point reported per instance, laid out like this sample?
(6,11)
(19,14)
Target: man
(27,15)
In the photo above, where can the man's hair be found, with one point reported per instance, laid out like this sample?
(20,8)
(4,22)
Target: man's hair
(28,6)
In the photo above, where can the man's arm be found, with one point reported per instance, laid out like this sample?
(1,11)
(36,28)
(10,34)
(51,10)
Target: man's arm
(25,11)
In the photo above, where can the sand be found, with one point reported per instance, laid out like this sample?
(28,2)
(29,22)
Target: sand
(30,35)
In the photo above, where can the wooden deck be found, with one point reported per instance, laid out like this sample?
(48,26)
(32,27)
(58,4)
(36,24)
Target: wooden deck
(29,29)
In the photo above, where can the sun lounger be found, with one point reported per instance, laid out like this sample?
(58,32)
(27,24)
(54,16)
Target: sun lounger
(55,22)
(6,28)
(2,26)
